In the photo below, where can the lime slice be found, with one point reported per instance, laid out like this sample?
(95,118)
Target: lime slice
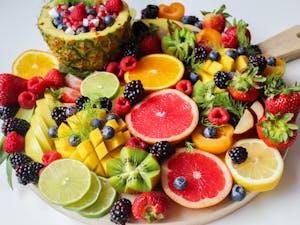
(64,181)
(90,197)
(100,84)
(104,202)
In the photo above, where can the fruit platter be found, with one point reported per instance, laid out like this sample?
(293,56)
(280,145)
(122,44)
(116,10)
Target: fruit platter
(167,112)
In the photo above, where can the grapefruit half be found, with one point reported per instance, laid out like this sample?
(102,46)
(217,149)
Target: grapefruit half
(166,115)
(208,179)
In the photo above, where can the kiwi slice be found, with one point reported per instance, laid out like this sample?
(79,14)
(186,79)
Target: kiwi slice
(134,171)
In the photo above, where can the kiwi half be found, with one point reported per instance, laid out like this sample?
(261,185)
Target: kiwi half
(134,171)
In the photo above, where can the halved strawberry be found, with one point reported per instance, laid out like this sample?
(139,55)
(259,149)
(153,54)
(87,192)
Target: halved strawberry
(69,95)
(73,81)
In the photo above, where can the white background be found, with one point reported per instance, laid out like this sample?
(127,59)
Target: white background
(18,32)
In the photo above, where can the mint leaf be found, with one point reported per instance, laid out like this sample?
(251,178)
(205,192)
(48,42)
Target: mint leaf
(3,154)
(9,173)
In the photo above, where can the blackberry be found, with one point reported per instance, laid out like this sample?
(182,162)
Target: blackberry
(130,49)
(254,50)
(162,150)
(134,91)
(8,111)
(238,154)
(221,78)
(105,103)
(233,119)
(18,159)
(59,114)
(81,101)
(200,53)
(120,213)
(15,124)
(150,12)
(29,173)
(140,29)
(258,61)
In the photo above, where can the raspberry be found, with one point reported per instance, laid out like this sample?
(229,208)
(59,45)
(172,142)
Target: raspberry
(114,6)
(121,106)
(37,85)
(13,142)
(114,67)
(54,78)
(26,99)
(79,12)
(128,63)
(218,116)
(49,157)
(150,45)
(185,86)
(136,142)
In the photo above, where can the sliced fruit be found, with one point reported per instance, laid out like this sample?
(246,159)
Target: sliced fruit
(34,63)
(174,114)
(246,124)
(174,11)
(156,71)
(208,179)
(100,84)
(65,181)
(103,203)
(217,145)
(262,169)
(90,197)
(32,147)
(210,37)
(258,108)
(134,171)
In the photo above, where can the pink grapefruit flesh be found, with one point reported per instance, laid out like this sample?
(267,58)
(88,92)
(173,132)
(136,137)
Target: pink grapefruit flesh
(209,180)
(163,115)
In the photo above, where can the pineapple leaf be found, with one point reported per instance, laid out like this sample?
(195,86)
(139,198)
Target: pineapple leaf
(9,173)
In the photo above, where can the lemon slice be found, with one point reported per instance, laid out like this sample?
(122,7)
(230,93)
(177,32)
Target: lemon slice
(100,84)
(261,171)
(34,63)
(64,181)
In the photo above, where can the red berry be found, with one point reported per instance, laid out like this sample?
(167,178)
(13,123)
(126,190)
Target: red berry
(114,6)
(49,157)
(185,86)
(37,85)
(13,142)
(26,100)
(218,116)
(79,12)
(136,142)
(115,68)
(54,78)
(128,63)
(121,106)
(150,45)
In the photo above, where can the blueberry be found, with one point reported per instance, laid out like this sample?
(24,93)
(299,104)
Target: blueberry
(62,27)
(210,132)
(91,12)
(108,132)
(242,51)
(111,117)
(193,77)
(52,131)
(231,53)
(238,193)
(81,29)
(198,24)
(180,183)
(214,55)
(271,61)
(109,20)
(74,140)
(70,111)
(189,19)
(231,74)
(97,123)
(57,21)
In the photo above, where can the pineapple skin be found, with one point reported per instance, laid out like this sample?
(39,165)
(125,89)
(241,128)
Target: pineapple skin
(86,51)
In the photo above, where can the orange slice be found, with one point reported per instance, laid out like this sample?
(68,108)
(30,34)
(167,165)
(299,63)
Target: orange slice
(157,71)
(34,63)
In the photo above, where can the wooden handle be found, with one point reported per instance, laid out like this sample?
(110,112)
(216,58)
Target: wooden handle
(285,45)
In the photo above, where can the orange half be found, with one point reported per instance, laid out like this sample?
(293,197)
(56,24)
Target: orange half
(156,72)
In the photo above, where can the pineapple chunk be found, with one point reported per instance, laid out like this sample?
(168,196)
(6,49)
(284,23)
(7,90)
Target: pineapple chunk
(227,62)
(241,63)
(214,67)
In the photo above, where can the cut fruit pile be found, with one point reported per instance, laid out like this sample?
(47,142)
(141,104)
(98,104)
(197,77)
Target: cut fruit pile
(169,102)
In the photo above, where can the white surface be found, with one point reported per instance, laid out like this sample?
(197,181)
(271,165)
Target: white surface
(266,18)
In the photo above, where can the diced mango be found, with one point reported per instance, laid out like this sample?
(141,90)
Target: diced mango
(76,155)
(114,124)
(122,125)
(100,171)
(126,135)
(206,65)
(241,63)
(227,62)
(115,142)
(63,147)
(101,150)
(215,67)
(112,154)
(74,123)
(206,77)
(85,148)
(102,114)
(91,161)
(96,137)
(64,130)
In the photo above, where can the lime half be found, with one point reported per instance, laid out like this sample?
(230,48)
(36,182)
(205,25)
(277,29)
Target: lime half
(100,84)
(104,202)
(89,198)
(64,181)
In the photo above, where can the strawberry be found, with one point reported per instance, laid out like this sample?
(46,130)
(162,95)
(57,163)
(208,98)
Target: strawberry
(10,88)
(246,87)
(73,81)
(150,206)
(277,131)
(150,45)
(13,142)
(54,78)
(114,6)
(79,12)
(215,19)
(236,35)
(69,95)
